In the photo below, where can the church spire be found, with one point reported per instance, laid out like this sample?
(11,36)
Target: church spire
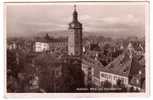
(75,14)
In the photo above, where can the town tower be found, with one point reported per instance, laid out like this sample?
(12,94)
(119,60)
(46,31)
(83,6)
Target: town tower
(75,35)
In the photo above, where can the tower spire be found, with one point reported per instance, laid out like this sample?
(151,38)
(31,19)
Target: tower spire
(75,7)
(75,14)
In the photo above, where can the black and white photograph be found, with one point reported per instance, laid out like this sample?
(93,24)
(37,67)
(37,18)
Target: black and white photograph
(77,47)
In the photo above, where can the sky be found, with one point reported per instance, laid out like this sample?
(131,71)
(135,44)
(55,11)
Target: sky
(118,20)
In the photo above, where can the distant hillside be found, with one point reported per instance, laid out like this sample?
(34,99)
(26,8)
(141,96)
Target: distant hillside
(64,33)
(54,33)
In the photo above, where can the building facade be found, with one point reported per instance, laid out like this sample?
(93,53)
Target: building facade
(51,45)
(41,46)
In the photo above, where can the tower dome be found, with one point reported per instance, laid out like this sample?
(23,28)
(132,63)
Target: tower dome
(75,23)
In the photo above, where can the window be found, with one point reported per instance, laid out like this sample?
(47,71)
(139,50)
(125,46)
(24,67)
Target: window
(102,75)
(115,77)
(124,81)
(109,77)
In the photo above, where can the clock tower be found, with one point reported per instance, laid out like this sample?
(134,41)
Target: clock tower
(75,36)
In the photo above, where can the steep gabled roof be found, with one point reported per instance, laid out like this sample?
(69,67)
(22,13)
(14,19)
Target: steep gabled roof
(121,65)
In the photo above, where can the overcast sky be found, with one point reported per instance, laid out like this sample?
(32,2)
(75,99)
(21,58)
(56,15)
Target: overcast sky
(30,19)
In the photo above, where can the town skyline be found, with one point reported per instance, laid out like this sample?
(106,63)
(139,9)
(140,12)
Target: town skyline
(81,64)
(30,20)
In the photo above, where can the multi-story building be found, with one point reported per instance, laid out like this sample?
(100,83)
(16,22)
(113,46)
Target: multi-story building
(48,44)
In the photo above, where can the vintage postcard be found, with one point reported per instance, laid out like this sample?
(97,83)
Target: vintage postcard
(76,49)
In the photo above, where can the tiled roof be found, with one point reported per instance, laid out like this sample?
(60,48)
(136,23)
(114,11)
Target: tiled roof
(121,65)
(124,65)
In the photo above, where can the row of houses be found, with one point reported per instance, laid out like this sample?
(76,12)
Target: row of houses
(125,68)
